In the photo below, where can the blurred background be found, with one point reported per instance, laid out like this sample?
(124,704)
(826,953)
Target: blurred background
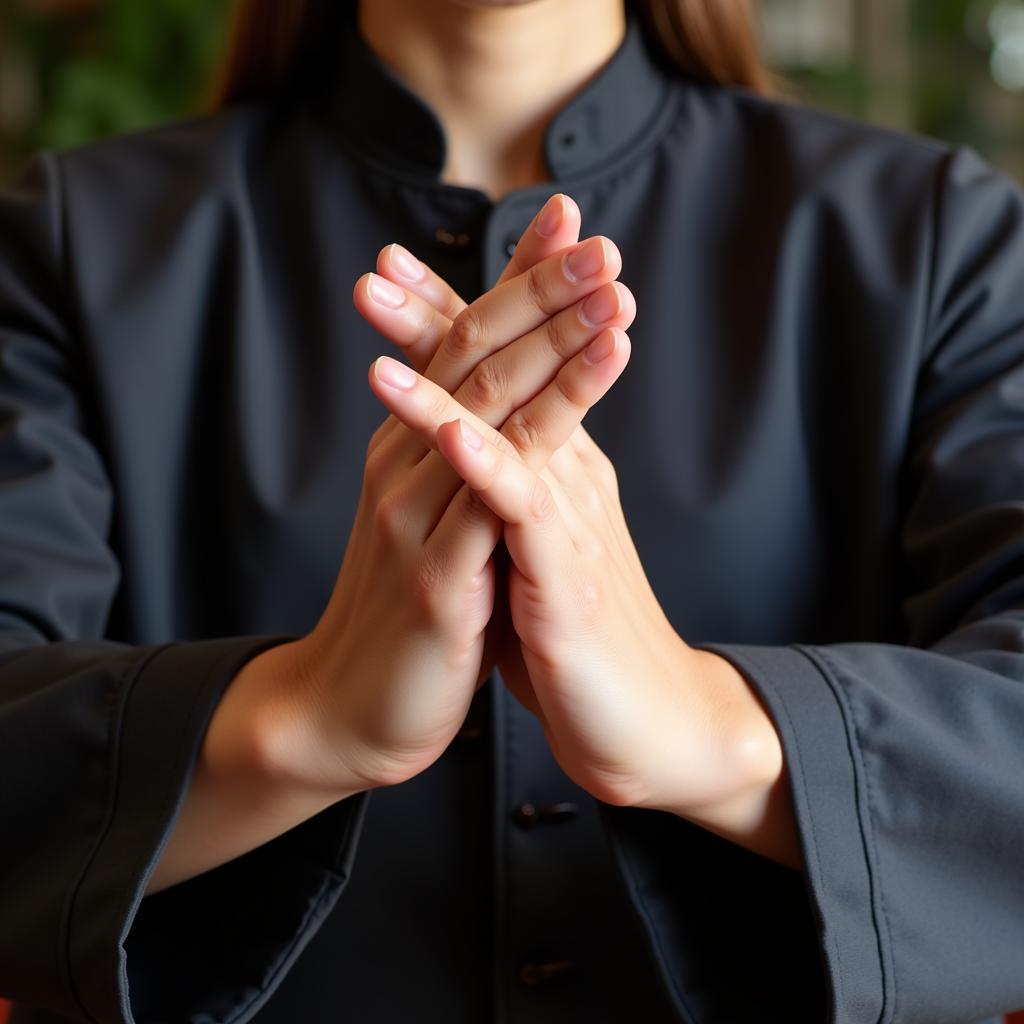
(73,70)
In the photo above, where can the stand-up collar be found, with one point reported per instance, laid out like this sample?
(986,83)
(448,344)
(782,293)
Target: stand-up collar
(382,116)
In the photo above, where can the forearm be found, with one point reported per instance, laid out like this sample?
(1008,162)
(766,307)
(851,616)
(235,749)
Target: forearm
(240,795)
(758,812)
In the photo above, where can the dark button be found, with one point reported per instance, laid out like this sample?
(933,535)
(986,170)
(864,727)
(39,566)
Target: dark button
(526,815)
(510,245)
(569,139)
(537,974)
(452,239)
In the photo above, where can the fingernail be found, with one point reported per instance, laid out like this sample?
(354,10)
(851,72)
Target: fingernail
(600,306)
(393,373)
(585,261)
(600,348)
(551,216)
(470,436)
(384,292)
(406,264)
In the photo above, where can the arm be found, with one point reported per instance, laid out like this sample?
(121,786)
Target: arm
(758,813)
(97,738)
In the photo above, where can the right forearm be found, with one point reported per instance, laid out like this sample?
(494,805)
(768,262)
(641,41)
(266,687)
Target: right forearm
(241,795)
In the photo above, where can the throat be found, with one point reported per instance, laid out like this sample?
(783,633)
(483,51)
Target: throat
(497,167)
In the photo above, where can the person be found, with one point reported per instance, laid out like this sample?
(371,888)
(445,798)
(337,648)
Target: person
(457,710)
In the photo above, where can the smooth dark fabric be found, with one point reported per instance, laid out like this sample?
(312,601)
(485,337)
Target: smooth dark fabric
(820,448)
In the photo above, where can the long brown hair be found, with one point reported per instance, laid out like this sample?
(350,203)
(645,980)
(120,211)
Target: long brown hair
(272,41)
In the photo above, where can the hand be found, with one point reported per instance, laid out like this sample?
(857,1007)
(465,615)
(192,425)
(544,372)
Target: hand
(632,713)
(385,678)
(424,321)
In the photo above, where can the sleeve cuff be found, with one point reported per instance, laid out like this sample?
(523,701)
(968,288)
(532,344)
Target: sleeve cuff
(213,948)
(706,901)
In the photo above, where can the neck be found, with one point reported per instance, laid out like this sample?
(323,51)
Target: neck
(495,73)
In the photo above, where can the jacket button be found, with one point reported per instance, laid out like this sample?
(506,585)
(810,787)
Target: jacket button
(536,974)
(510,245)
(452,239)
(526,815)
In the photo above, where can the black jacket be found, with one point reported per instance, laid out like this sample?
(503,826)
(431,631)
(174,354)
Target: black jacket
(820,446)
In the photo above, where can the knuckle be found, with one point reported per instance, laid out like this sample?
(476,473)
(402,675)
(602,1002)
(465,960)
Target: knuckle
(466,335)
(541,290)
(541,502)
(488,386)
(426,333)
(377,437)
(375,466)
(429,584)
(523,432)
(590,548)
(561,337)
(568,389)
(391,516)
(438,408)
(505,446)
(599,466)
(604,470)
(472,510)
(589,497)
(590,601)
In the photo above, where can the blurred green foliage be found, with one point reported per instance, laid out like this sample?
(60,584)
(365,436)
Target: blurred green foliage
(123,65)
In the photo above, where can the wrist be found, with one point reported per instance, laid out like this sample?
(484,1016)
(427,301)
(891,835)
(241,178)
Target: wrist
(268,735)
(750,802)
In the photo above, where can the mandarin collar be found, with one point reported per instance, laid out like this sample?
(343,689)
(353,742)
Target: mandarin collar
(383,117)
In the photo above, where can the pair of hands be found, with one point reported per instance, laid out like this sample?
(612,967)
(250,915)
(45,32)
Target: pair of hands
(485,442)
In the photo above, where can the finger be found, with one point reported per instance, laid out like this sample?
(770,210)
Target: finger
(556,225)
(508,379)
(402,317)
(420,403)
(466,533)
(563,499)
(541,426)
(565,466)
(532,432)
(395,262)
(520,304)
(515,493)
(427,489)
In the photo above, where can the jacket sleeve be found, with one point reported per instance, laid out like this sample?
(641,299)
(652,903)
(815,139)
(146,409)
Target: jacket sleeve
(905,760)
(97,738)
